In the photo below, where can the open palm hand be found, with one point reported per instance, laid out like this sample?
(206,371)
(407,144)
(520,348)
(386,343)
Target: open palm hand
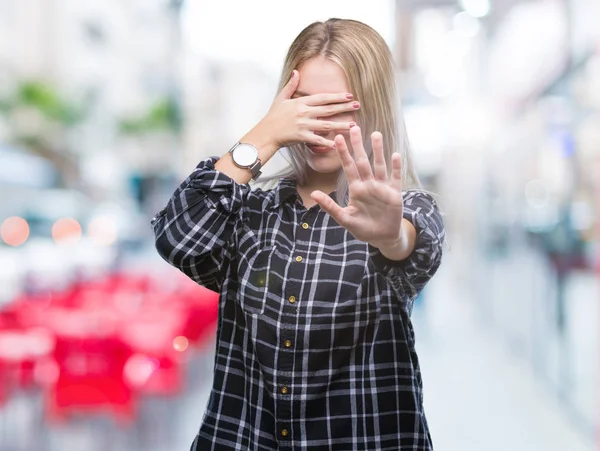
(375,206)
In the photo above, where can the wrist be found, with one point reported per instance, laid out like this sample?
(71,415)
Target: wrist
(393,245)
(263,141)
(401,247)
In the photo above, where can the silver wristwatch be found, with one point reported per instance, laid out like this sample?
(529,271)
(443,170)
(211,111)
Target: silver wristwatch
(245,156)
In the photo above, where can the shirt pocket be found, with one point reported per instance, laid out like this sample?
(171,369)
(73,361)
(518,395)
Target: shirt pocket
(254,272)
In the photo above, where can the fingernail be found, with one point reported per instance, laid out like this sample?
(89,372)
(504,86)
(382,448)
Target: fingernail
(356,105)
(349,96)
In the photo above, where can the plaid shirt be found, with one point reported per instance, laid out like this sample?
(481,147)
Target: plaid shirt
(315,348)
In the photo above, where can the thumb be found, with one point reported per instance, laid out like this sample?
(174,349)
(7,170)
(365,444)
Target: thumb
(290,88)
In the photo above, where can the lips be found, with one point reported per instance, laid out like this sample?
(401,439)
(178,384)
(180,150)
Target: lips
(320,149)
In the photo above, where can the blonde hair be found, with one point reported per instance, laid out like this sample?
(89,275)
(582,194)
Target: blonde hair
(367,62)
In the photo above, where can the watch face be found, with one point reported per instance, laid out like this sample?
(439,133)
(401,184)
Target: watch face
(244,155)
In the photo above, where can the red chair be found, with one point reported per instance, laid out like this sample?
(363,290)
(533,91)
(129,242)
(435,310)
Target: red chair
(90,361)
(203,311)
(157,365)
(20,352)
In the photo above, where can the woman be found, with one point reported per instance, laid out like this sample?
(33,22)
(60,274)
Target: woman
(315,348)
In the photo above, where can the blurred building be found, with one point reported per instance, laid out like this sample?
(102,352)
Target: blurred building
(113,60)
(222,101)
(504,96)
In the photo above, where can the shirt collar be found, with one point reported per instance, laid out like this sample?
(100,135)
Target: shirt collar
(285,191)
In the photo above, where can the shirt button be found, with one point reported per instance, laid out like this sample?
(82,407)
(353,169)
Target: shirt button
(284,390)
(292,299)
(298,258)
(305,225)
(287,343)
(284,432)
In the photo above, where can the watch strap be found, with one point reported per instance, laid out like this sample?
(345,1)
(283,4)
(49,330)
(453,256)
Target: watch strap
(255,169)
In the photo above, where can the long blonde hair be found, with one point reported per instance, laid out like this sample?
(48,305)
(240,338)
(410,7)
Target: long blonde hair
(367,62)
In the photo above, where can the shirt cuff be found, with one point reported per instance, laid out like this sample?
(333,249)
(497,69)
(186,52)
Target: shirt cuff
(420,209)
(221,190)
(386,265)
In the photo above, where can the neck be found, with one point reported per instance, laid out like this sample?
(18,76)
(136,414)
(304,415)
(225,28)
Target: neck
(318,181)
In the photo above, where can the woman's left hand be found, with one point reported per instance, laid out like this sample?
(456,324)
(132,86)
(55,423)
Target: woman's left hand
(375,206)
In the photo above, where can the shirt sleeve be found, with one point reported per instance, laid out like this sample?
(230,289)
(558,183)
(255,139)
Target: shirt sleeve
(412,274)
(195,231)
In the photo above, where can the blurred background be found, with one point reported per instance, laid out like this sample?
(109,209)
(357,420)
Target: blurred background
(106,105)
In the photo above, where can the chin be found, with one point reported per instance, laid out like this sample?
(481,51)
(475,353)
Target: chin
(325,167)
(325,164)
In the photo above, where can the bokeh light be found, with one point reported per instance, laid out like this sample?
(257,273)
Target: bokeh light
(476,8)
(14,231)
(180,343)
(138,369)
(66,230)
(102,231)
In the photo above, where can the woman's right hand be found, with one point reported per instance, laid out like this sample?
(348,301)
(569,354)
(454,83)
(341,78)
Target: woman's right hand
(305,119)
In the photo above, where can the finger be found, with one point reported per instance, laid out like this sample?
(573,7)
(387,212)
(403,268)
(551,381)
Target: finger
(290,88)
(329,206)
(325,99)
(325,126)
(317,140)
(379,166)
(360,155)
(333,109)
(347,161)
(396,178)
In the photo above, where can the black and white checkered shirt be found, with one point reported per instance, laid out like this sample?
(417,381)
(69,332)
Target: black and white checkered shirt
(315,348)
